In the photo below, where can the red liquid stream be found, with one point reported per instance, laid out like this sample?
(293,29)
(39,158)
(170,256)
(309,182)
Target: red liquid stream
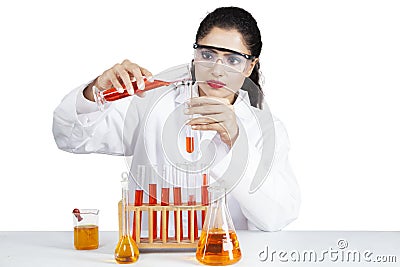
(164,202)
(192,202)
(189,144)
(152,202)
(112,93)
(138,202)
(178,202)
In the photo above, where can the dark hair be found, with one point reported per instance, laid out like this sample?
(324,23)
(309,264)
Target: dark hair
(242,21)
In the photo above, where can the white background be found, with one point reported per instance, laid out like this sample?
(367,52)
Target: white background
(331,75)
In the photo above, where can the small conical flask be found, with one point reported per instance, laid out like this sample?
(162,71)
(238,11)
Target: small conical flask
(126,250)
(218,244)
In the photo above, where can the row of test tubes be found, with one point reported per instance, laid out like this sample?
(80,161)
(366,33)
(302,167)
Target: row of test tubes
(175,185)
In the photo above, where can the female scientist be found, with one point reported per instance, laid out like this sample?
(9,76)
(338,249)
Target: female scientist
(227,113)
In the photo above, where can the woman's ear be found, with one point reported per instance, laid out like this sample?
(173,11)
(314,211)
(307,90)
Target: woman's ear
(251,67)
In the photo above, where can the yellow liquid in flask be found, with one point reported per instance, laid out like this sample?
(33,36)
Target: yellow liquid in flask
(126,250)
(218,247)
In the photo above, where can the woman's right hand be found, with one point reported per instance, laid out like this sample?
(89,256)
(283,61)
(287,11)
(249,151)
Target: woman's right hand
(119,76)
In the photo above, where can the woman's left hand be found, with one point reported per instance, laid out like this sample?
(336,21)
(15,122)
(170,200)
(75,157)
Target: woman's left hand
(217,114)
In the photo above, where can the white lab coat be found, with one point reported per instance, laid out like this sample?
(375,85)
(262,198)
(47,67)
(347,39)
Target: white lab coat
(134,127)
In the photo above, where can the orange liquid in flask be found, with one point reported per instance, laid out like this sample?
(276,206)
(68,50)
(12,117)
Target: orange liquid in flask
(126,251)
(218,248)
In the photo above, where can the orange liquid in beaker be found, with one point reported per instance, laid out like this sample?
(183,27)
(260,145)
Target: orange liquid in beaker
(216,248)
(86,237)
(126,250)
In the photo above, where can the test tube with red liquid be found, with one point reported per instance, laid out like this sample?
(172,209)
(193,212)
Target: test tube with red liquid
(177,193)
(141,172)
(205,198)
(112,94)
(165,195)
(173,75)
(191,180)
(153,197)
(189,131)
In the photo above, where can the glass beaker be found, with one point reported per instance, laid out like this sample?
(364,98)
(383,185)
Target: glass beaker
(86,229)
(126,250)
(218,244)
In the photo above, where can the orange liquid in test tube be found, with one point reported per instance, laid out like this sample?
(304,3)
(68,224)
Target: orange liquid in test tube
(112,94)
(192,202)
(164,202)
(189,144)
(178,202)
(204,197)
(153,202)
(138,202)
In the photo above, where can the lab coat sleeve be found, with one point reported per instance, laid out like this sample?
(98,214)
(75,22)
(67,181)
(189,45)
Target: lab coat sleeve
(79,127)
(276,203)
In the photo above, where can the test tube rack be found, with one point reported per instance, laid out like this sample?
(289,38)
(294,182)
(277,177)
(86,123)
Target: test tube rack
(149,241)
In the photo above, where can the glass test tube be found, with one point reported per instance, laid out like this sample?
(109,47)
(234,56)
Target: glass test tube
(205,198)
(165,194)
(191,180)
(112,94)
(165,78)
(177,192)
(189,131)
(141,172)
(153,198)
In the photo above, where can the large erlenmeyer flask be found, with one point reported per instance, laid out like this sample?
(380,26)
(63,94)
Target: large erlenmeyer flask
(218,244)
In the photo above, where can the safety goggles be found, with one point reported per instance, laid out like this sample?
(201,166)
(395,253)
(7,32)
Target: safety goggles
(232,61)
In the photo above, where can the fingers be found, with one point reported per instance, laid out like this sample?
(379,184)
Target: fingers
(228,136)
(140,94)
(217,115)
(217,118)
(122,75)
(147,73)
(209,100)
(208,106)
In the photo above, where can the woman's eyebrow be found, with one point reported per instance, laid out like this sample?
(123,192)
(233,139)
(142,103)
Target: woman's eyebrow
(215,50)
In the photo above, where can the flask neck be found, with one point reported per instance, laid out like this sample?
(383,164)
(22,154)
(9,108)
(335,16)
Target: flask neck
(124,215)
(218,194)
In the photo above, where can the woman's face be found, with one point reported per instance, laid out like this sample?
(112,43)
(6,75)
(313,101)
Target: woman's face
(220,79)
